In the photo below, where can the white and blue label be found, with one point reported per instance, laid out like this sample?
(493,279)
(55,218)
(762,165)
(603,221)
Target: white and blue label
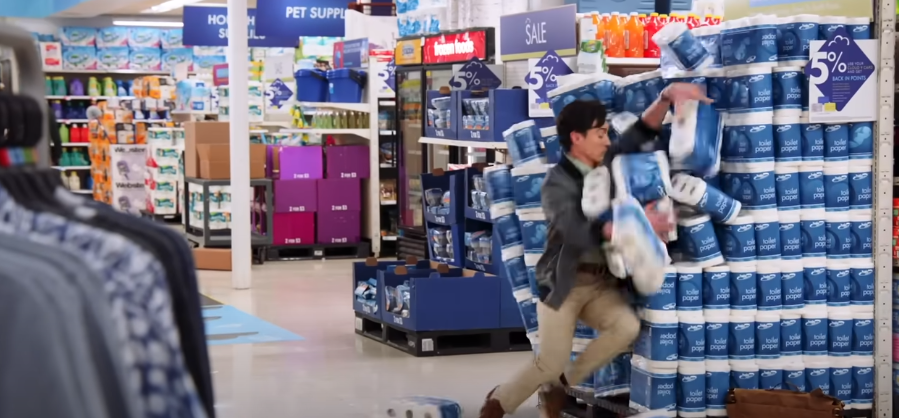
(737,242)
(691,392)
(839,286)
(719,206)
(862,337)
(814,238)
(715,290)
(767,240)
(743,291)
(717,91)
(815,289)
(750,93)
(756,191)
(827,31)
(790,240)
(689,291)
(553,149)
(812,142)
(657,342)
(528,310)
(499,185)
(814,336)
(632,98)
(787,191)
(770,291)
(818,377)
(787,142)
(767,337)
(691,342)
(861,190)
(770,378)
(689,51)
(716,335)
(653,391)
(862,286)
(749,45)
(811,189)
(862,239)
(698,242)
(508,229)
(748,143)
(741,340)
(716,386)
(643,177)
(791,337)
(788,90)
(517,273)
(534,234)
(862,384)
(526,190)
(582,330)
(841,383)
(861,140)
(836,192)
(839,239)
(795,380)
(840,337)
(792,284)
(532,280)
(744,379)
(836,142)
(794,40)
(666,298)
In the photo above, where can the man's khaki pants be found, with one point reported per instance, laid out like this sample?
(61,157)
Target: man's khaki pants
(598,303)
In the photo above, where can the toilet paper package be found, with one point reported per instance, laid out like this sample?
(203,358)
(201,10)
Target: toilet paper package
(749,40)
(863,333)
(841,379)
(498,179)
(717,333)
(642,253)
(737,240)
(795,34)
(787,84)
(691,389)
(814,236)
(523,139)
(744,375)
(508,230)
(828,25)
(643,176)
(689,287)
(717,382)
(814,273)
(858,27)
(771,374)
(814,333)
(631,96)
(786,181)
(597,200)
(716,87)
(751,183)
(817,375)
(767,235)
(533,232)
(750,90)
(421,406)
(598,86)
(698,242)
(614,378)
(790,235)
(787,140)
(811,186)
(551,145)
(741,337)
(748,138)
(528,309)
(836,142)
(653,389)
(861,186)
(657,343)
(794,375)
(695,192)
(862,382)
(662,303)
(861,140)
(691,337)
(767,335)
(710,37)
(517,271)
(839,235)
(682,48)
(861,230)
(791,335)
(696,136)
(861,276)
(839,326)
(716,289)
(743,288)
(526,184)
(812,139)
(792,284)
(769,287)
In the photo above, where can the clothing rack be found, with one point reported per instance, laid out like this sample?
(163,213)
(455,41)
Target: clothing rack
(30,83)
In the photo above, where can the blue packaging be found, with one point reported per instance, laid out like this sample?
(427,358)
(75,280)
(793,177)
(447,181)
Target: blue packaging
(686,50)
(858,28)
(175,56)
(528,309)
(861,187)
(812,140)
(839,337)
(614,378)
(814,238)
(666,298)
(517,273)
(770,290)
(814,336)
(790,239)
(788,85)
(172,38)
(787,141)
(818,376)
(767,238)
(743,291)
(811,188)
(79,58)
(770,377)
(689,290)
(532,280)
(741,339)
(767,336)
(792,290)
(644,175)
(748,44)
(861,279)
(795,38)
(691,341)
(112,36)
(653,85)
(526,187)
(715,288)
(748,140)
(836,142)
(839,285)
(716,88)
(653,391)
(710,37)
(523,139)
(508,230)
(841,383)
(786,181)
(697,239)
(719,206)
(746,379)
(839,237)
(737,241)
(716,387)
(630,95)
(862,240)
(498,179)
(862,384)
(551,145)
(755,191)
(716,335)
(836,190)
(795,379)
(145,59)
(533,233)
(750,90)
(141,37)
(690,392)
(815,289)
(791,336)
(113,58)
(78,36)
(657,342)
(863,336)
(861,140)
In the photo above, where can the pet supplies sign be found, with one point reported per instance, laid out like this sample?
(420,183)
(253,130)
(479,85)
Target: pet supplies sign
(842,79)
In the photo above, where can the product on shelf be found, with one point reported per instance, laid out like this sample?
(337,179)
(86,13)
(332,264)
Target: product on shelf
(367,293)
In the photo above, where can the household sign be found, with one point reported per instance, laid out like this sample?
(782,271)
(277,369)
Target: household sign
(533,34)
(541,79)
(208,26)
(474,75)
(455,47)
(842,78)
(295,18)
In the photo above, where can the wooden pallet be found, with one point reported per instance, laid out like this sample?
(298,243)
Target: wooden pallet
(443,343)
(319,251)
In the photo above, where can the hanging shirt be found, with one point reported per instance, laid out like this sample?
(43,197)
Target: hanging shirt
(138,297)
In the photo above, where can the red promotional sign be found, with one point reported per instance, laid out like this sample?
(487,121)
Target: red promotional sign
(455,47)
(220,75)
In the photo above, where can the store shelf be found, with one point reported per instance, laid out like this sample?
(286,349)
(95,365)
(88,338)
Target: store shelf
(126,72)
(387,132)
(88,191)
(365,133)
(192,112)
(633,62)
(356,107)
(458,143)
(72,167)
(388,202)
(73,121)
(387,103)
(76,144)
(89,97)
(386,165)
(389,238)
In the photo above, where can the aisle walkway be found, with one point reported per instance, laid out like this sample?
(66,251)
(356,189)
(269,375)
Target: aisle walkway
(331,372)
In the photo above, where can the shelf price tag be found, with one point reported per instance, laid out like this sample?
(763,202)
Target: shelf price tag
(842,79)
(474,75)
(541,79)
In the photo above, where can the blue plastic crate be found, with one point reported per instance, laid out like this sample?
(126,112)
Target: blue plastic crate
(450,128)
(505,108)
(345,85)
(368,269)
(454,182)
(445,300)
(312,85)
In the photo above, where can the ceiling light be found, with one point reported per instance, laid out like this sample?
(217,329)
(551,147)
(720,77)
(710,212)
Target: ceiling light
(170,5)
(148,23)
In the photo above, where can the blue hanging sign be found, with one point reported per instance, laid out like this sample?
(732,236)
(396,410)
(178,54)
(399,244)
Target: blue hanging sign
(532,34)
(543,76)
(389,75)
(474,75)
(295,18)
(208,26)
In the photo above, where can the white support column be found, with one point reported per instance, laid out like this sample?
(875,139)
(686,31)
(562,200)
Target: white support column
(238,76)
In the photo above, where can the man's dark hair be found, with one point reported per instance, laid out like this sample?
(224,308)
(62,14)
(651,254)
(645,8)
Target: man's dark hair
(579,116)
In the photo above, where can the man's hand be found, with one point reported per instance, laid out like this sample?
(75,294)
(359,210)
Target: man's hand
(678,93)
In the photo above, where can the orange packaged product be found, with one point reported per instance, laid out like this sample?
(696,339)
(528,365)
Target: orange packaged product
(633,41)
(615,44)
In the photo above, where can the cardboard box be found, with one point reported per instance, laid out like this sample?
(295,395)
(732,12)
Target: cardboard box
(215,161)
(212,259)
(198,133)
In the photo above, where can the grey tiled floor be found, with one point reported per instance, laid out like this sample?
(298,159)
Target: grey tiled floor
(334,372)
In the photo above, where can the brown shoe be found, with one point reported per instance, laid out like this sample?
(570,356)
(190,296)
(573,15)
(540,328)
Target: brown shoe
(492,408)
(552,400)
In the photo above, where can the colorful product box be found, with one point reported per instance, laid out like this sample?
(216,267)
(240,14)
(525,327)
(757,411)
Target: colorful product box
(146,59)
(145,38)
(113,36)
(78,36)
(175,56)
(79,58)
(113,58)
(172,38)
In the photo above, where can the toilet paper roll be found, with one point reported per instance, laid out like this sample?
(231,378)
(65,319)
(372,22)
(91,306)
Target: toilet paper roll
(526,184)
(767,335)
(551,145)
(744,374)
(531,259)
(716,289)
(861,185)
(814,237)
(836,186)
(710,37)
(691,389)
(653,388)
(596,199)
(507,229)
(665,300)
(512,252)
(786,181)
(861,276)
(814,273)
(814,335)
(528,310)
(817,374)
(771,374)
(861,140)
(717,332)
(794,374)
(769,287)
(657,343)
(522,295)
(787,85)
(862,234)
(839,332)
(790,334)
(858,27)
(704,197)
(790,234)
(792,285)
(828,25)
(716,87)
(698,242)
(767,234)
(838,310)
(811,185)
(749,40)
(839,235)
(862,382)
(787,139)
(686,51)
(741,337)
(691,336)
(836,142)
(523,139)
(748,137)
(796,33)
(517,274)
(630,96)
(743,290)
(498,210)
(812,139)
(689,288)
(717,384)
(533,231)
(863,333)
(737,239)
(750,183)
(841,378)
(498,179)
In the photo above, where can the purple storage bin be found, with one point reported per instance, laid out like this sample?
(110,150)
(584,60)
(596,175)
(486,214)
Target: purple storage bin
(339,195)
(339,227)
(301,163)
(295,196)
(347,162)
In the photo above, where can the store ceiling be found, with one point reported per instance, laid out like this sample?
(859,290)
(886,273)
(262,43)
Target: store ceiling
(132,7)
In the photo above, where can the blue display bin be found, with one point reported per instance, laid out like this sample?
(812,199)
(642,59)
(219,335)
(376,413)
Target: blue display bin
(458,244)
(449,131)
(445,300)
(470,212)
(312,85)
(505,108)
(496,259)
(345,85)
(454,181)
(509,314)
(368,269)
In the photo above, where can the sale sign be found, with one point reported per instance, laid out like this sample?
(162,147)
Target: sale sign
(474,75)
(842,79)
(455,47)
(543,77)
